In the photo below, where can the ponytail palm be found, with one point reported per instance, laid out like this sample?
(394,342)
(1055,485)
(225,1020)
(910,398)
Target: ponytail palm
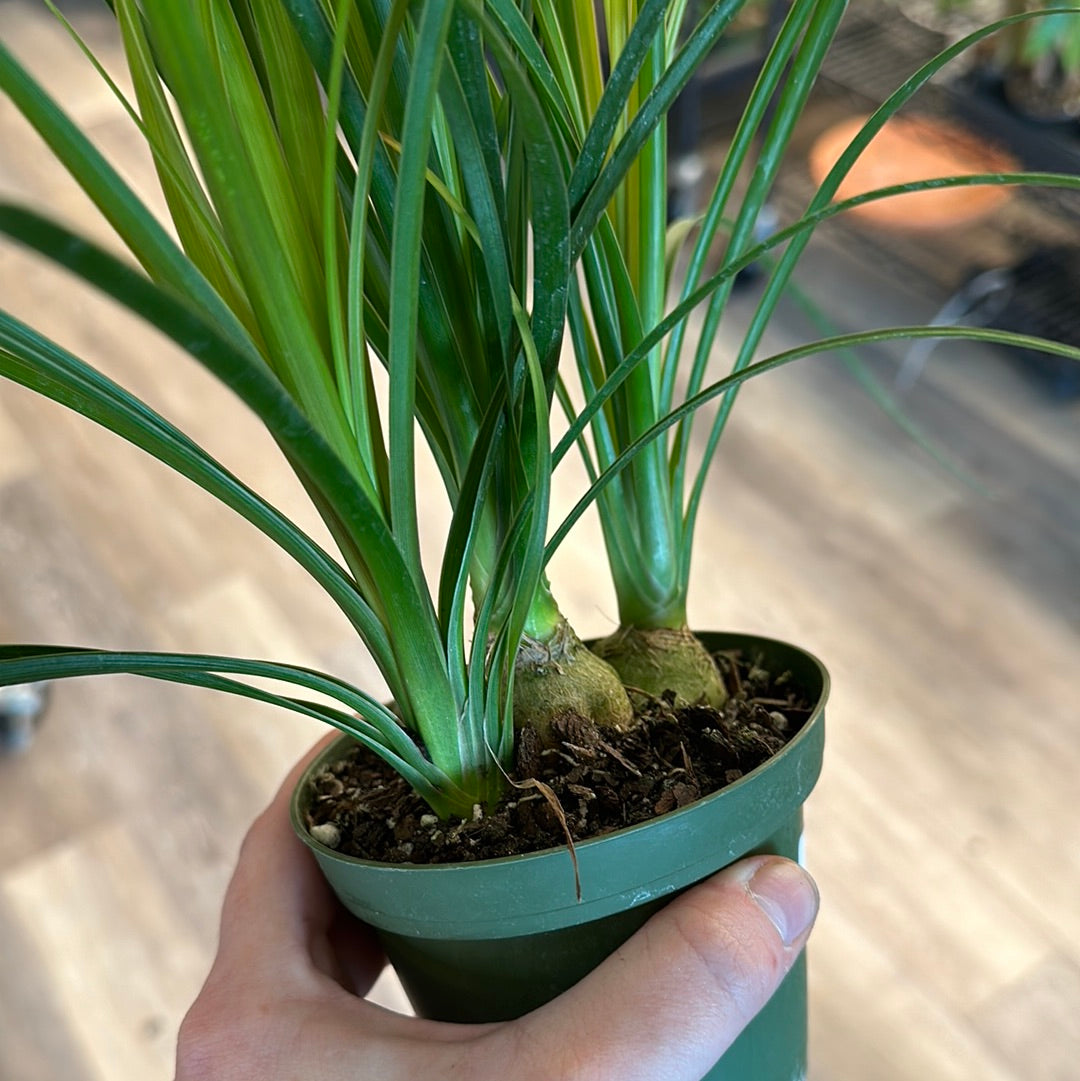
(642,377)
(343,208)
(618,192)
(371,194)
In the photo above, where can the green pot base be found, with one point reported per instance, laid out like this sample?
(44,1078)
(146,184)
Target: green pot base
(493,940)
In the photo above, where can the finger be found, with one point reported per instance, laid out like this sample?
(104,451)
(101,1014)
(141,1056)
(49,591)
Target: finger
(279,912)
(273,894)
(674,997)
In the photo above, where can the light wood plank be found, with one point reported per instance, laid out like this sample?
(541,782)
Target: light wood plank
(871,1020)
(17,458)
(1034,1023)
(29,1009)
(129,968)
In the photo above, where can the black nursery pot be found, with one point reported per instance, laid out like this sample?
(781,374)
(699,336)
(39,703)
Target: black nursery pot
(494,939)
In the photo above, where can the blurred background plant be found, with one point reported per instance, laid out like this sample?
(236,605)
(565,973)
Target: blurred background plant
(1037,63)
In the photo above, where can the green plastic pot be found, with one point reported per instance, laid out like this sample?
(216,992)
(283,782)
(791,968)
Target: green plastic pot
(491,940)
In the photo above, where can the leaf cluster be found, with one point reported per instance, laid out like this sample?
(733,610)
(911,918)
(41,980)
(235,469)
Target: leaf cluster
(387,217)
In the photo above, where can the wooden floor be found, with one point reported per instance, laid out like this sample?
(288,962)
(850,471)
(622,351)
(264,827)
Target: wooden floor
(944,832)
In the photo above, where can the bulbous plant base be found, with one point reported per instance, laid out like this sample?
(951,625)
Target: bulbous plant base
(664,660)
(563,676)
(494,939)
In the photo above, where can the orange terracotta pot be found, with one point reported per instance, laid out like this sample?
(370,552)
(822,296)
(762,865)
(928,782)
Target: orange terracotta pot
(910,149)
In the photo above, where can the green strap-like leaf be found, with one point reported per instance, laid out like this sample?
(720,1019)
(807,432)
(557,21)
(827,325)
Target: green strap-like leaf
(206,63)
(760,102)
(190,210)
(656,104)
(472,124)
(427,57)
(505,16)
(33,361)
(778,360)
(372,724)
(135,225)
(616,94)
(550,204)
(425,691)
(807,62)
(785,266)
(438,329)
(679,314)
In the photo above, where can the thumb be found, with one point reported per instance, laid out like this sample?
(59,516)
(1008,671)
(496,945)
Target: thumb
(668,1003)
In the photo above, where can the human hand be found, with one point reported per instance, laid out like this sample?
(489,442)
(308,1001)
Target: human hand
(284,998)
